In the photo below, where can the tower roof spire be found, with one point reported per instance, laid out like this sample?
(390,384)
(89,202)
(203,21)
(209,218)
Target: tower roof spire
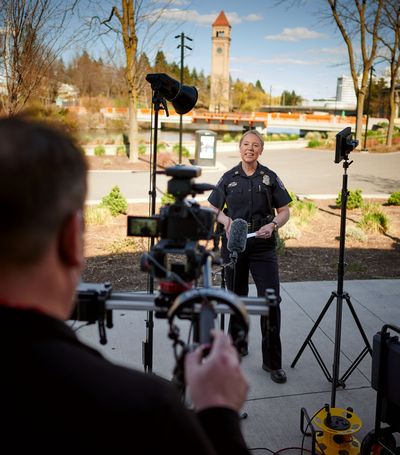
(221,20)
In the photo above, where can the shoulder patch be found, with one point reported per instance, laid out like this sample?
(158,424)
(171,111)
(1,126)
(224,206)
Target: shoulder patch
(280,183)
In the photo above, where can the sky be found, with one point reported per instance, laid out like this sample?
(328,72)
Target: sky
(285,47)
(285,44)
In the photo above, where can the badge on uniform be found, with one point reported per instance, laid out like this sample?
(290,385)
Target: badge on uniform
(232,184)
(266,180)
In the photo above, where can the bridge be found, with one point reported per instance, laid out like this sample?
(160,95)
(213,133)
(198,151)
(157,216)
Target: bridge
(235,121)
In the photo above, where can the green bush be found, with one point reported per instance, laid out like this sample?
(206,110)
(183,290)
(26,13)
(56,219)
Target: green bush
(185,151)
(167,198)
(294,198)
(354,199)
(227,138)
(121,150)
(115,202)
(99,150)
(142,149)
(394,198)
(356,233)
(95,215)
(303,211)
(313,143)
(373,219)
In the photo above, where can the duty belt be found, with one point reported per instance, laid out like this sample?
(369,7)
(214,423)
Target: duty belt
(255,225)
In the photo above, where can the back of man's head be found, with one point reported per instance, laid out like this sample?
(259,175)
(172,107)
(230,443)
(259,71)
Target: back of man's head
(42,182)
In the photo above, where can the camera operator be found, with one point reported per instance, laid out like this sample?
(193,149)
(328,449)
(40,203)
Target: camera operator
(59,395)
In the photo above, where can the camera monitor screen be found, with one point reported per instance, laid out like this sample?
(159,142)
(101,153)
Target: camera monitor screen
(143,226)
(343,146)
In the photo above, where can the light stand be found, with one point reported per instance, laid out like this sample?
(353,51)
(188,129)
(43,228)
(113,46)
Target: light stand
(343,147)
(183,99)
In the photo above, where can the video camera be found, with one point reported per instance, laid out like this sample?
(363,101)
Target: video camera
(180,226)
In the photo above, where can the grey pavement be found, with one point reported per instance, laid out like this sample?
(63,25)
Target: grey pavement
(274,409)
(306,172)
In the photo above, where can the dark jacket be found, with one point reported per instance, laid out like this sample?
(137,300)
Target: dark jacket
(60,396)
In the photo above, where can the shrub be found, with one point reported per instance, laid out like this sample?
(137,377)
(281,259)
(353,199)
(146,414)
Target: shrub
(115,202)
(121,150)
(227,138)
(167,198)
(99,150)
(161,147)
(290,230)
(313,136)
(142,149)
(394,198)
(294,198)
(373,219)
(280,244)
(354,199)
(95,215)
(122,245)
(303,211)
(356,233)
(313,143)
(185,151)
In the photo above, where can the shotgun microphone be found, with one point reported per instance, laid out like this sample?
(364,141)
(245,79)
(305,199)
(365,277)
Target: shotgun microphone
(237,238)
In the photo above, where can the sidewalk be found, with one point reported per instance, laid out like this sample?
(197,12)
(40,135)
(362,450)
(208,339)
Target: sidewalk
(274,409)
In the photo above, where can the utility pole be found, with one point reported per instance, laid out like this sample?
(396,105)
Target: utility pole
(182,36)
(369,101)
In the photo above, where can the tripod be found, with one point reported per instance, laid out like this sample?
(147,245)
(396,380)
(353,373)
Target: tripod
(339,295)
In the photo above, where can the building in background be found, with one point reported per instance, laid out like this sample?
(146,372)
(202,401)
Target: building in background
(345,93)
(221,43)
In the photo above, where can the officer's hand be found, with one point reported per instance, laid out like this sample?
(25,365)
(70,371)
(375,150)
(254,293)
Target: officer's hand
(266,231)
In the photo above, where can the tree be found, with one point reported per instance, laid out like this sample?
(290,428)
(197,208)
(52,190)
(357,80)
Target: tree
(358,19)
(133,15)
(33,34)
(389,36)
(290,98)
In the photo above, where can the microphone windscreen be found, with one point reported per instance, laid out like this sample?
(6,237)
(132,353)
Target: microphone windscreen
(238,236)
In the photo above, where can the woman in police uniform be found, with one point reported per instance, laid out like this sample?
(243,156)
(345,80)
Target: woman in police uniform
(254,193)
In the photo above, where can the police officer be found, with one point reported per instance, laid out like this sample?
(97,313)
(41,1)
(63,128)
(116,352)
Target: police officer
(253,192)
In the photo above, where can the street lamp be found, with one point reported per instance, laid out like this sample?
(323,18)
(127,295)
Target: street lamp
(182,46)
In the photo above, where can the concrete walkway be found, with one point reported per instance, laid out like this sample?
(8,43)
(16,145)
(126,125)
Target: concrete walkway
(274,410)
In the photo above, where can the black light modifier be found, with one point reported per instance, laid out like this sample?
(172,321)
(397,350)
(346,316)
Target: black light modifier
(182,97)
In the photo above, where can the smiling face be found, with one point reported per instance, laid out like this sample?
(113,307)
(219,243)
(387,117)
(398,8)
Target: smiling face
(251,148)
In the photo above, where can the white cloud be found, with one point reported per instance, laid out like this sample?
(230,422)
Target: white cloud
(295,34)
(173,2)
(253,17)
(176,14)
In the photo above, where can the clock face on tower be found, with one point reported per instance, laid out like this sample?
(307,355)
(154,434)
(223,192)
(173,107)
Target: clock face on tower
(219,50)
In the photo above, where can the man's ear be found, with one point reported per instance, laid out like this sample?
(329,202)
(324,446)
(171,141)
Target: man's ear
(70,241)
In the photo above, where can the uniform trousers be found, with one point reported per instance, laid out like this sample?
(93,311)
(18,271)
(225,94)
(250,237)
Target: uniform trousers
(260,259)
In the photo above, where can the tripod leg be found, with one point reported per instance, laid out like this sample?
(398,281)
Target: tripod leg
(360,328)
(308,339)
(367,349)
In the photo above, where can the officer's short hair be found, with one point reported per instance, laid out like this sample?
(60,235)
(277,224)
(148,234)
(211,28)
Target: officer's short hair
(42,182)
(256,133)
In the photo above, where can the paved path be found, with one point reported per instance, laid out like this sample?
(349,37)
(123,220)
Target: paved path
(304,171)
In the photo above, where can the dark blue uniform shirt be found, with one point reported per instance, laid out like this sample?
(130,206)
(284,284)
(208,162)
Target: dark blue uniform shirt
(252,198)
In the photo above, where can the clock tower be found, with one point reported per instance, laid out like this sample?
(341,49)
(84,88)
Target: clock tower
(221,42)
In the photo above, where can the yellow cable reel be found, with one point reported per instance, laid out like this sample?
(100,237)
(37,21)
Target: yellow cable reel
(337,429)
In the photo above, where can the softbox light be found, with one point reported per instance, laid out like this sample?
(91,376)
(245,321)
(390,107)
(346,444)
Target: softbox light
(182,97)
